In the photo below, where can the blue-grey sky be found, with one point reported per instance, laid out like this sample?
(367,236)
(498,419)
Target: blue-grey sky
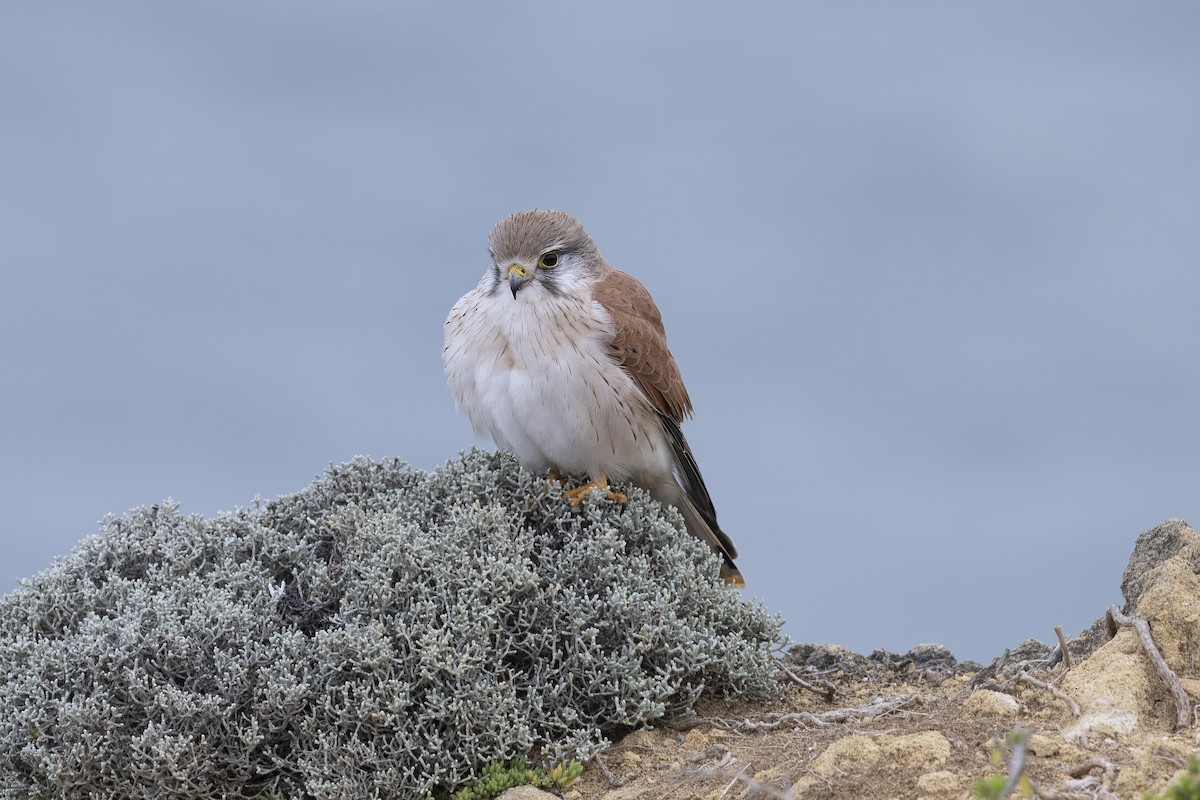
(930,269)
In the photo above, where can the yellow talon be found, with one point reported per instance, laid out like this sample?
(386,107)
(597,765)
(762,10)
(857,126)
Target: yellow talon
(599,482)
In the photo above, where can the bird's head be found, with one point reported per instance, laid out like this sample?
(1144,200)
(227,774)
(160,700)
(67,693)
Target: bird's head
(547,249)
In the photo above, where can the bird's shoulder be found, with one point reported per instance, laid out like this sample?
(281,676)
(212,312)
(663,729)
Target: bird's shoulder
(639,341)
(621,293)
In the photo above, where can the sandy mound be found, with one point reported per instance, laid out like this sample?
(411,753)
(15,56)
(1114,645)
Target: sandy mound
(921,725)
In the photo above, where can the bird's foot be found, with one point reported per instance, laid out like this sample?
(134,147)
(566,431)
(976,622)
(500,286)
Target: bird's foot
(577,495)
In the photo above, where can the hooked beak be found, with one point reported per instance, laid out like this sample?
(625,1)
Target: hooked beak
(518,276)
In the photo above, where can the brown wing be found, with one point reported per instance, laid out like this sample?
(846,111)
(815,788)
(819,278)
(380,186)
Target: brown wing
(640,343)
(640,346)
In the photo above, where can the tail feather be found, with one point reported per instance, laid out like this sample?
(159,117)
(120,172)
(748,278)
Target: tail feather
(715,538)
(689,494)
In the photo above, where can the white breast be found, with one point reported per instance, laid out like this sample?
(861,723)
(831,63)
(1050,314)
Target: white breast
(532,372)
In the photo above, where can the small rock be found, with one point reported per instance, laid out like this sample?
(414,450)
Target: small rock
(851,754)
(940,785)
(932,662)
(1116,687)
(925,750)
(1132,782)
(526,793)
(695,740)
(987,703)
(1153,547)
(646,737)
(827,656)
(933,656)
(1043,746)
(1089,640)
(1170,602)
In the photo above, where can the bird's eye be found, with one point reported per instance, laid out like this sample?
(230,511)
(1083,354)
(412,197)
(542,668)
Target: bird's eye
(548,260)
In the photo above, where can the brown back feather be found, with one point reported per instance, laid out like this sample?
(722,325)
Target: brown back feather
(640,343)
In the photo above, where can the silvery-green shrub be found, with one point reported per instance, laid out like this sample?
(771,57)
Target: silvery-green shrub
(383,633)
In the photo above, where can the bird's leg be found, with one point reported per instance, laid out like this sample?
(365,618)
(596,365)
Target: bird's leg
(599,482)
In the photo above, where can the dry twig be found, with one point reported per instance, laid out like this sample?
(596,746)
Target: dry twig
(1066,654)
(822,687)
(734,780)
(1169,756)
(1183,706)
(612,781)
(826,719)
(786,794)
(718,755)
(1110,769)
(1091,786)
(1025,677)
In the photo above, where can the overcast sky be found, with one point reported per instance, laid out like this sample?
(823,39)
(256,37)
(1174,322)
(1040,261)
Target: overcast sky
(930,270)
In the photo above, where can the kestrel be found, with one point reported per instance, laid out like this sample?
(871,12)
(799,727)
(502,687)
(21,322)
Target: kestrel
(562,360)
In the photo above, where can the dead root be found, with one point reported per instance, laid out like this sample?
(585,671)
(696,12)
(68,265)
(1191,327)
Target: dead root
(826,719)
(1183,706)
